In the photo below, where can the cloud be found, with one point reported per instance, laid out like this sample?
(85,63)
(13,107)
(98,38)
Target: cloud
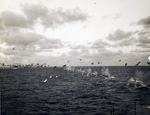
(143,32)
(18,39)
(137,38)
(147,45)
(1,25)
(125,42)
(18,52)
(121,38)
(143,40)
(34,12)
(105,56)
(76,46)
(141,51)
(79,50)
(13,37)
(10,19)
(106,53)
(31,14)
(145,22)
(119,35)
(74,53)
(60,16)
(140,54)
(52,17)
(94,53)
(99,44)
(15,42)
(47,43)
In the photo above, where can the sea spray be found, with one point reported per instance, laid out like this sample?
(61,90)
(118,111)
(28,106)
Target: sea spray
(143,76)
(105,72)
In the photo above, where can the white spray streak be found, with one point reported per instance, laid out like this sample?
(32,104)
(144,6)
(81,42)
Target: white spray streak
(45,80)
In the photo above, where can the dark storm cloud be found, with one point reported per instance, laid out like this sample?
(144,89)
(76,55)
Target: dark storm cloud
(145,22)
(119,35)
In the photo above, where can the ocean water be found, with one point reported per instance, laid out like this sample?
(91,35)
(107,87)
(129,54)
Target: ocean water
(54,91)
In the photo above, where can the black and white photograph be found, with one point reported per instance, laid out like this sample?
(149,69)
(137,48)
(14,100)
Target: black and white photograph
(75,57)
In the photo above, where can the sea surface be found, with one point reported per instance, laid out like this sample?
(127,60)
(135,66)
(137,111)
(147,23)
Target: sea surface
(55,91)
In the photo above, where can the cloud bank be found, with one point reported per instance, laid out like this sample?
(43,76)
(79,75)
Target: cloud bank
(31,14)
(20,41)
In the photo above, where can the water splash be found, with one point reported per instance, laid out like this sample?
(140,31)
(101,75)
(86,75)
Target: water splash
(45,80)
(89,70)
(141,79)
(82,71)
(143,76)
(105,72)
(95,73)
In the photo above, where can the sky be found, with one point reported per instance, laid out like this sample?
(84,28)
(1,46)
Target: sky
(75,32)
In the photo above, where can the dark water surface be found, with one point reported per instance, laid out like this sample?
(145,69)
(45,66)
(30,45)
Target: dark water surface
(24,92)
